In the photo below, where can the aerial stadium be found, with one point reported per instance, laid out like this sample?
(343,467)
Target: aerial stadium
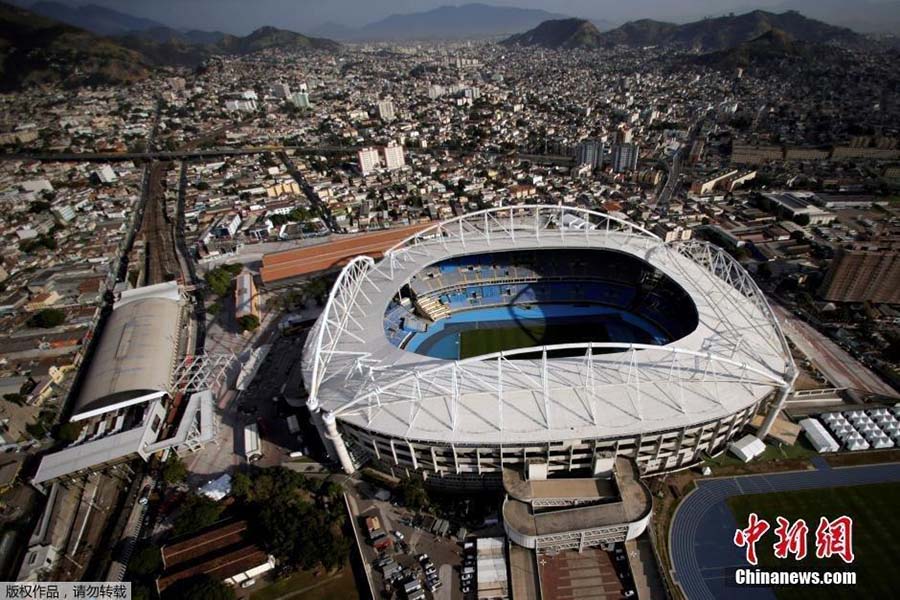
(544,334)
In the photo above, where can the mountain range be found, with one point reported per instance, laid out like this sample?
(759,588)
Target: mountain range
(446,22)
(93,18)
(707,35)
(166,46)
(36,49)
(774,53)
(564,34)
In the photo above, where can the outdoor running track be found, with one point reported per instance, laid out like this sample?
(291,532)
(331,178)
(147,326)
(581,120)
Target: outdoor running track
(703,554)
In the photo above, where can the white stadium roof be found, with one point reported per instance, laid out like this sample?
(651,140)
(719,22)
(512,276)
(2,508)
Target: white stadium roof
(734,358)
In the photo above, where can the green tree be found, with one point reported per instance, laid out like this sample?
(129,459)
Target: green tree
(198,512)
(15,398)
(145,562)
(47,318)
(248,323)
(201,587)
(413,491)
(174,470)
(242,486)
(219,281)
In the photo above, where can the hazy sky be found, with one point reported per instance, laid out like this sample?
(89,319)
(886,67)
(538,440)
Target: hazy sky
(242,16)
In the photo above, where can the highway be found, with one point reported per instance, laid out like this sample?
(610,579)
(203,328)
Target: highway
(675,170)
(321,209)
(192,153)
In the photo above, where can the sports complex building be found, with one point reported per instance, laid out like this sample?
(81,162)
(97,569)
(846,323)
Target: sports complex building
(541,334)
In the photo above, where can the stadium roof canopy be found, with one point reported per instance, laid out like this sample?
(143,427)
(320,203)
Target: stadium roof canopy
(136,353)
(734,358)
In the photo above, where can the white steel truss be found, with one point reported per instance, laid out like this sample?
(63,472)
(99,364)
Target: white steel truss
(201,372)
(632,367)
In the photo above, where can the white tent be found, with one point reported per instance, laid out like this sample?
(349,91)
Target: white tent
(882,442)
(747,448)
(857,443)
(819,436)
(844,432)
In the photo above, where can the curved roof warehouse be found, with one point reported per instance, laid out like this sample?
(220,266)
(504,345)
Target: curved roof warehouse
(136,354)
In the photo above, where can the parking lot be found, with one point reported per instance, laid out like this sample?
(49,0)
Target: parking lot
(445,554)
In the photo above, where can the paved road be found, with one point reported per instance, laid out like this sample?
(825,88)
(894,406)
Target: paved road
(700,539)
(833,361)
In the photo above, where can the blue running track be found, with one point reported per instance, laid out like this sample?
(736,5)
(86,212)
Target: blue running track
(703,554)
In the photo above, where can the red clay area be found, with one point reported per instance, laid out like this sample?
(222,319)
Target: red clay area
(569,575)
(320,257)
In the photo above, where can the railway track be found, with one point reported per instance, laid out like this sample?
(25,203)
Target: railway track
(157,231)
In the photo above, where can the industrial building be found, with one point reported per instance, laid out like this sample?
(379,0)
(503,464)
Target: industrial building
(131,403)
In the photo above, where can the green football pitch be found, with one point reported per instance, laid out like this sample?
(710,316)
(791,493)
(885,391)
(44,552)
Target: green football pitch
(876,536)
(490,338)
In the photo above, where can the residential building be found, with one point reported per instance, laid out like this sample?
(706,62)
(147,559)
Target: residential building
(869,273)
(386,110)
(625,157)
(393,157)
(369,160)
(590,153)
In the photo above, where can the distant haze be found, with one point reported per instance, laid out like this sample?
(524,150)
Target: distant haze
(242,16)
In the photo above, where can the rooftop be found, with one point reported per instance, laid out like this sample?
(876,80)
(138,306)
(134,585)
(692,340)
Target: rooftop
(136,354)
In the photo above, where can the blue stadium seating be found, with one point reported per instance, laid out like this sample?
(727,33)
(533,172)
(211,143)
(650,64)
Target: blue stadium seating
(560,276)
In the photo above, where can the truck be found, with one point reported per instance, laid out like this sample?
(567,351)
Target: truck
(252,449)
(377,536)
(293,424)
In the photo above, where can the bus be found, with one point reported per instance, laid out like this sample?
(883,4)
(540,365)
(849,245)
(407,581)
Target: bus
(293,424)
(252,449)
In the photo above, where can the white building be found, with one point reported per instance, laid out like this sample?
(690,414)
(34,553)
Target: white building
(393,157)
(105,174)
(241,105)
(369,160)
(386,110)
(819,437)
(228,226)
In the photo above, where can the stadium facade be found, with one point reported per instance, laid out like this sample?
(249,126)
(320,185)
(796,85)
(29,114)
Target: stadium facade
(616,344)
